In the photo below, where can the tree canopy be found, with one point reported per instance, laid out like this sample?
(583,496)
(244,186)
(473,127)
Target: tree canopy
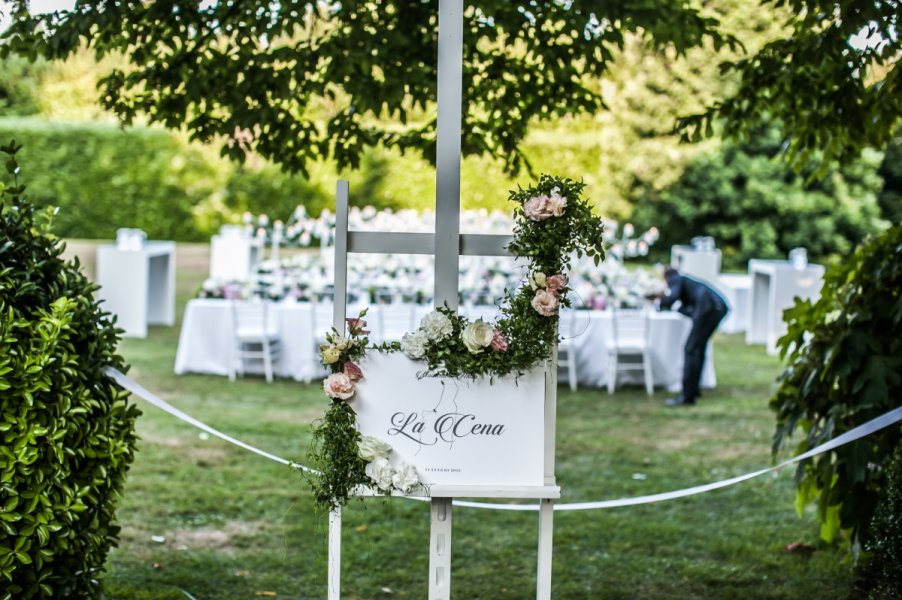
(296,81)
(833,84)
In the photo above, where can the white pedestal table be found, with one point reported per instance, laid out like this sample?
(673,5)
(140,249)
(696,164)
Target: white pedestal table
(138,286)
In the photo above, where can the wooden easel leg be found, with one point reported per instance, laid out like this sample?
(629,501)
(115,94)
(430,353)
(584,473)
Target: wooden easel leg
(546,535)
(335,554)
(440,549)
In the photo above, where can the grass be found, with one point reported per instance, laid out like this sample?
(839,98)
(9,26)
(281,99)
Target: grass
(204,518)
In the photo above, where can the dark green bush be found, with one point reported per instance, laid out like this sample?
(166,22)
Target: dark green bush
(890,197)
(883,567)
(844,357)
(755,207)
(103,177)
(66,432)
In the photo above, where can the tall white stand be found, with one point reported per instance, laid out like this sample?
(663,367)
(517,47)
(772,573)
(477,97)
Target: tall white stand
(440,549)
(138,286)
(446,244)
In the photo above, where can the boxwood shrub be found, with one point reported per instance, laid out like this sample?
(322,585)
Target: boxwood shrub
(66,431)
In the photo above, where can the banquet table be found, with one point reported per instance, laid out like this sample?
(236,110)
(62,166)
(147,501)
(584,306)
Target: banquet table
(205,339)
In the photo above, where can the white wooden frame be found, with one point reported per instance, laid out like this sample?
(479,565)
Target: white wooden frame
(447,244)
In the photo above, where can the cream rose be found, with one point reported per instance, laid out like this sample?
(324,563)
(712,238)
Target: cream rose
(477,336)
(545,302)
(405,478)
(342,343)
(330,354)
(338,386)
(538,280)
(371,448)
(437,326)
(381,472)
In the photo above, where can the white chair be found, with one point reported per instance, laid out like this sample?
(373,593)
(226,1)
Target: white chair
(566,351)
(629,348)
(256,337)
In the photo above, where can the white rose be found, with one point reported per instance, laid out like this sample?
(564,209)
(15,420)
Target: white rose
(381,472)
(342,343)
(538,280)
(371,448)
(556,204)
(437,326)
(477,336)
(414,344)
(405,478)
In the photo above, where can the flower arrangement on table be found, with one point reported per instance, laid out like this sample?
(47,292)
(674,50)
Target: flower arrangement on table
(552,223)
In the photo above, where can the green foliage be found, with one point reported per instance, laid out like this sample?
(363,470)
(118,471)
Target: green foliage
(890,197)
(755,207)
(67,431)
(103,178)
(19,85)
(844,355)
(266,73)
(264,188)
(831,97)
(333,450)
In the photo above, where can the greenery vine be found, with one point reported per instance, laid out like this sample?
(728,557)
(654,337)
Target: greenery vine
(552,224)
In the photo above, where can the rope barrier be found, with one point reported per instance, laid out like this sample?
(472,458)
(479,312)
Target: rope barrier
(863,430)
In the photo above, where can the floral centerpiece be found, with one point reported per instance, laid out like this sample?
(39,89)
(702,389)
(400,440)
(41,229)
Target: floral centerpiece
(552,223)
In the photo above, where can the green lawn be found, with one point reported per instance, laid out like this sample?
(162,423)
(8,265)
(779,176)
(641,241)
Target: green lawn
(202,518)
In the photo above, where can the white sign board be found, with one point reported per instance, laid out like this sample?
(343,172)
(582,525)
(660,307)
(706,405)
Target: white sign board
(455,431)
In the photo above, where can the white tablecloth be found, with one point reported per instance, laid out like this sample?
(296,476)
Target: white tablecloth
(592,331)
(206,338)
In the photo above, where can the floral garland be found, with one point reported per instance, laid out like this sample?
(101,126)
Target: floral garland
(552,223)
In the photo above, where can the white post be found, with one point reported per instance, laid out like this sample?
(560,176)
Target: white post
(335,554)
(546,539)
(440,549)
(546,508)
(447,151)
(447,240)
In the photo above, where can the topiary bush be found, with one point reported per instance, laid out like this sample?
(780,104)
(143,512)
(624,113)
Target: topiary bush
(844,367)
(67,433)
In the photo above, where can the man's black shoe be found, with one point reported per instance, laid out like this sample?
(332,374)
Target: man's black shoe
(678,401)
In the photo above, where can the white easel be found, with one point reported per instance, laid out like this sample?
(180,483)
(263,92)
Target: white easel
(447,244)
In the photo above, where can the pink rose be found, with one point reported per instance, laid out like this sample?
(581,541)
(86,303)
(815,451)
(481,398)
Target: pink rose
(356,326)
(338,386)
(545,303)
(499,342)
(536,208)
(557,204)
(352,370)
(556,283)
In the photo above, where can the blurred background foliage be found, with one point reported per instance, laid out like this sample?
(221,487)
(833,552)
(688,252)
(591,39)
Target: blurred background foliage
(104,177)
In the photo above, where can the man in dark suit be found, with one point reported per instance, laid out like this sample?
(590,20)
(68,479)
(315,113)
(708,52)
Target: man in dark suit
(707,309)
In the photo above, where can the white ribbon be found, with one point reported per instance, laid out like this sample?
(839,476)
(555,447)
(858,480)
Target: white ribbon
(857,433)
(136,389)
